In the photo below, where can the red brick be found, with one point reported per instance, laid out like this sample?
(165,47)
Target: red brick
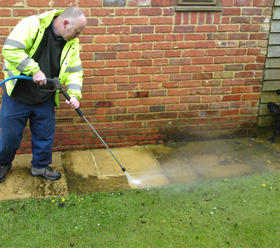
(118,47)
(106,39)
(117,79)
(236,52)
(229,112)
(129,55)
(160,78)
(152,54)
(222,60)
(128,102)
(126,12)
(232,11)
(137,21)
(94,48)
(162,3)
(170,54)
(37,3)
(118,30)
(117,63)
(150,70)
(163,29)
(206,28)
(90,3)
(4,32)
(228,28)
(163,46)
(141,63)
(246,97)
(142,109)
(19,12)
(130,38)
(127,71)
(170,100)
(95,30)
(184,29)
(12,3)
(102,12)
(171,69)
(104,88)
(155,37)
(241,19)
(139,94)
(161,20)
(202,76)
(243,2)
(180,77)
(263,3)
(9,22)
(128,87)
(64,3)
(142,30)
(200,61)
(195,37)
(239,36)
(193,53)
(150,11)
(191,69)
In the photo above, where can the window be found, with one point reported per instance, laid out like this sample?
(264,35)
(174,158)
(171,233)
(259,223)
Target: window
(198,5)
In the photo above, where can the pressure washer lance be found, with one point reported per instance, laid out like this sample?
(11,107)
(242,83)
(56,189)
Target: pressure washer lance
(57,86)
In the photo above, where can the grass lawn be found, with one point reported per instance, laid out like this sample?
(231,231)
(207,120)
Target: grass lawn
(236,212)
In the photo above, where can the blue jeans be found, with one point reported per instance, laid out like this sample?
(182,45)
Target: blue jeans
(14,116)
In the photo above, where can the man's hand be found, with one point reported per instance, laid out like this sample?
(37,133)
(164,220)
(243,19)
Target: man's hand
(74,102)
(40,78)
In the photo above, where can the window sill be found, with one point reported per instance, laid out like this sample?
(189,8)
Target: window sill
(198,8)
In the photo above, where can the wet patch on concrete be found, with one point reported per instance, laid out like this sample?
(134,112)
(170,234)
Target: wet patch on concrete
(79,185)
(48,188)
(196,161)
(97,170)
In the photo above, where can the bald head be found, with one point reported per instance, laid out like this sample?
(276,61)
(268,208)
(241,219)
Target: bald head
(70,24)
(73,12)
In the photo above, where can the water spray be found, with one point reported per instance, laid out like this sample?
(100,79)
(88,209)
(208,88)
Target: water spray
(57,86)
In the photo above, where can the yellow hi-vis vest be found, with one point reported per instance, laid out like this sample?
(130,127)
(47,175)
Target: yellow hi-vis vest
(22,43)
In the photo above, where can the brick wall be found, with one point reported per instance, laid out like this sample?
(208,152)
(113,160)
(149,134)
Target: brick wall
(153,75)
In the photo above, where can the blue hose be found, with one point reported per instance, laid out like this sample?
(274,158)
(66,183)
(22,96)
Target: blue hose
(16,77)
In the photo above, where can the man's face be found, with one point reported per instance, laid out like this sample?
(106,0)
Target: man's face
(73,28)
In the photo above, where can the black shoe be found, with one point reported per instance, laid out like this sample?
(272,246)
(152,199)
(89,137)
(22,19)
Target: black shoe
(3,171)
(46,172)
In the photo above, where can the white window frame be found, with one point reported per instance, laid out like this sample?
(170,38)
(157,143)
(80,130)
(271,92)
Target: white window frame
(198,5)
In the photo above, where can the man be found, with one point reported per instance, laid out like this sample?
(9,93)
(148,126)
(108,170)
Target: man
(44,46)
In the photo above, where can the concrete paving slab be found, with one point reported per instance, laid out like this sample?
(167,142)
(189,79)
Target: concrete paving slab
(196,161)
(46,188)
(81,163)
(138,162)
(135,160)
(18,185)
(24,160)
(92,171)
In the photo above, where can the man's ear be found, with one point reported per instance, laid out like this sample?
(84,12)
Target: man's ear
(65,23)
